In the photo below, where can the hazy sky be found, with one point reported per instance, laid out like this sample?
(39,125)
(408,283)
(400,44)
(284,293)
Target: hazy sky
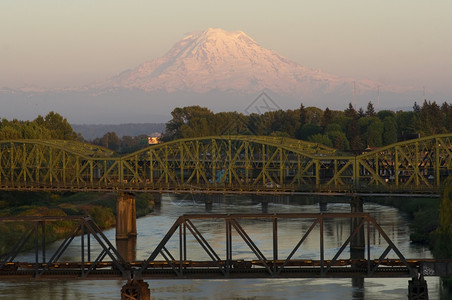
(54,43)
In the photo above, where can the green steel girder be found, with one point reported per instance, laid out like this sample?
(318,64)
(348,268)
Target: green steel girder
(226,164)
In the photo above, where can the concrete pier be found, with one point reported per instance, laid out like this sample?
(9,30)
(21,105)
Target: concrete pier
(157,197)
(357,243)
(127,248)
(126,216)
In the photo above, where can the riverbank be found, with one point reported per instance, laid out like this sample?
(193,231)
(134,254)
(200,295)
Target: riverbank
(425,225)
(100,206)
(423,213)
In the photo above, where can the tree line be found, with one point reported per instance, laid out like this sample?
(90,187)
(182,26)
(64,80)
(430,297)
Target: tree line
(348,130)
(126,144)
(55,126)
(51,126)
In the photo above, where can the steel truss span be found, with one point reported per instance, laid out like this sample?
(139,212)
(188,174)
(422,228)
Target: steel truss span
(187,251)
(226,164)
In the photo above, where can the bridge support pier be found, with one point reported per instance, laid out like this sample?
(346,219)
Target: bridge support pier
(157,199)
(127,248)
(357,243)
(136,290)
(263,200)
(264,204)
(208,201)
(417,288)
(323,205)
(126,216)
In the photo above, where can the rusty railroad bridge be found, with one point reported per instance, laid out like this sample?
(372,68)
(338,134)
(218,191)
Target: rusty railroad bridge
(186,252)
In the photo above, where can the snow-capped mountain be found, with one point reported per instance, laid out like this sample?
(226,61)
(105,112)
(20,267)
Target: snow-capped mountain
(218,69)
(219,60)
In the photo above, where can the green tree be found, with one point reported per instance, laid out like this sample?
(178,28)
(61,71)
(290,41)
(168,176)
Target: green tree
(370,111)
(431,119)
(382,114)
(185,122)
(22,130)
(255,124)
(353,129)
(314,115)
(361,113)
(279,134)
(342,121)
(321,139)
(354,136)
(58,126)
(327,118)
(111,141)
(389,131)
(446,208)
(9,132)
(405,122)
(308,130)
(279,120)
(350,112)
(31,130)
(303,115)
(375,133)
(447,112)
(130,144)
(339,140)
(229,123)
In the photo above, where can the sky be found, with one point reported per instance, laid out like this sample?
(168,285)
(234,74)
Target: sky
(54,43)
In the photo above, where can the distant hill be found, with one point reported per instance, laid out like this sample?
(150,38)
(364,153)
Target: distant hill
(92,131)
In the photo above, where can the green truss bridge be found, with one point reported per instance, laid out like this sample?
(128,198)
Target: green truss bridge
(226,164)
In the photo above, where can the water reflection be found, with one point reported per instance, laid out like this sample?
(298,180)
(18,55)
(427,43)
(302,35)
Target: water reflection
(127,248)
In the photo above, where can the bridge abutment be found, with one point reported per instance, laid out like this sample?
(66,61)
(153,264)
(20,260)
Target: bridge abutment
(126,216)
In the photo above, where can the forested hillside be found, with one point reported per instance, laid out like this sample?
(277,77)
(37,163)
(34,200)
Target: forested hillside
(349,129)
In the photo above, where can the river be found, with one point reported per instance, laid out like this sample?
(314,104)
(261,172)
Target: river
(153,227)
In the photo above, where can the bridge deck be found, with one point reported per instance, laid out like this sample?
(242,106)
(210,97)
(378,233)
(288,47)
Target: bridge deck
(240,269)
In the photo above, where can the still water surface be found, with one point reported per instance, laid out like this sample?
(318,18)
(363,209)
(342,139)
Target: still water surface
(153,227)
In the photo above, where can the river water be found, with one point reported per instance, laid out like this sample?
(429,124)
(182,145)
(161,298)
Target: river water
(153,227)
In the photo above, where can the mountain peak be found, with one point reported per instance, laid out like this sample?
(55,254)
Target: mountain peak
(221,60)
(216,33)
